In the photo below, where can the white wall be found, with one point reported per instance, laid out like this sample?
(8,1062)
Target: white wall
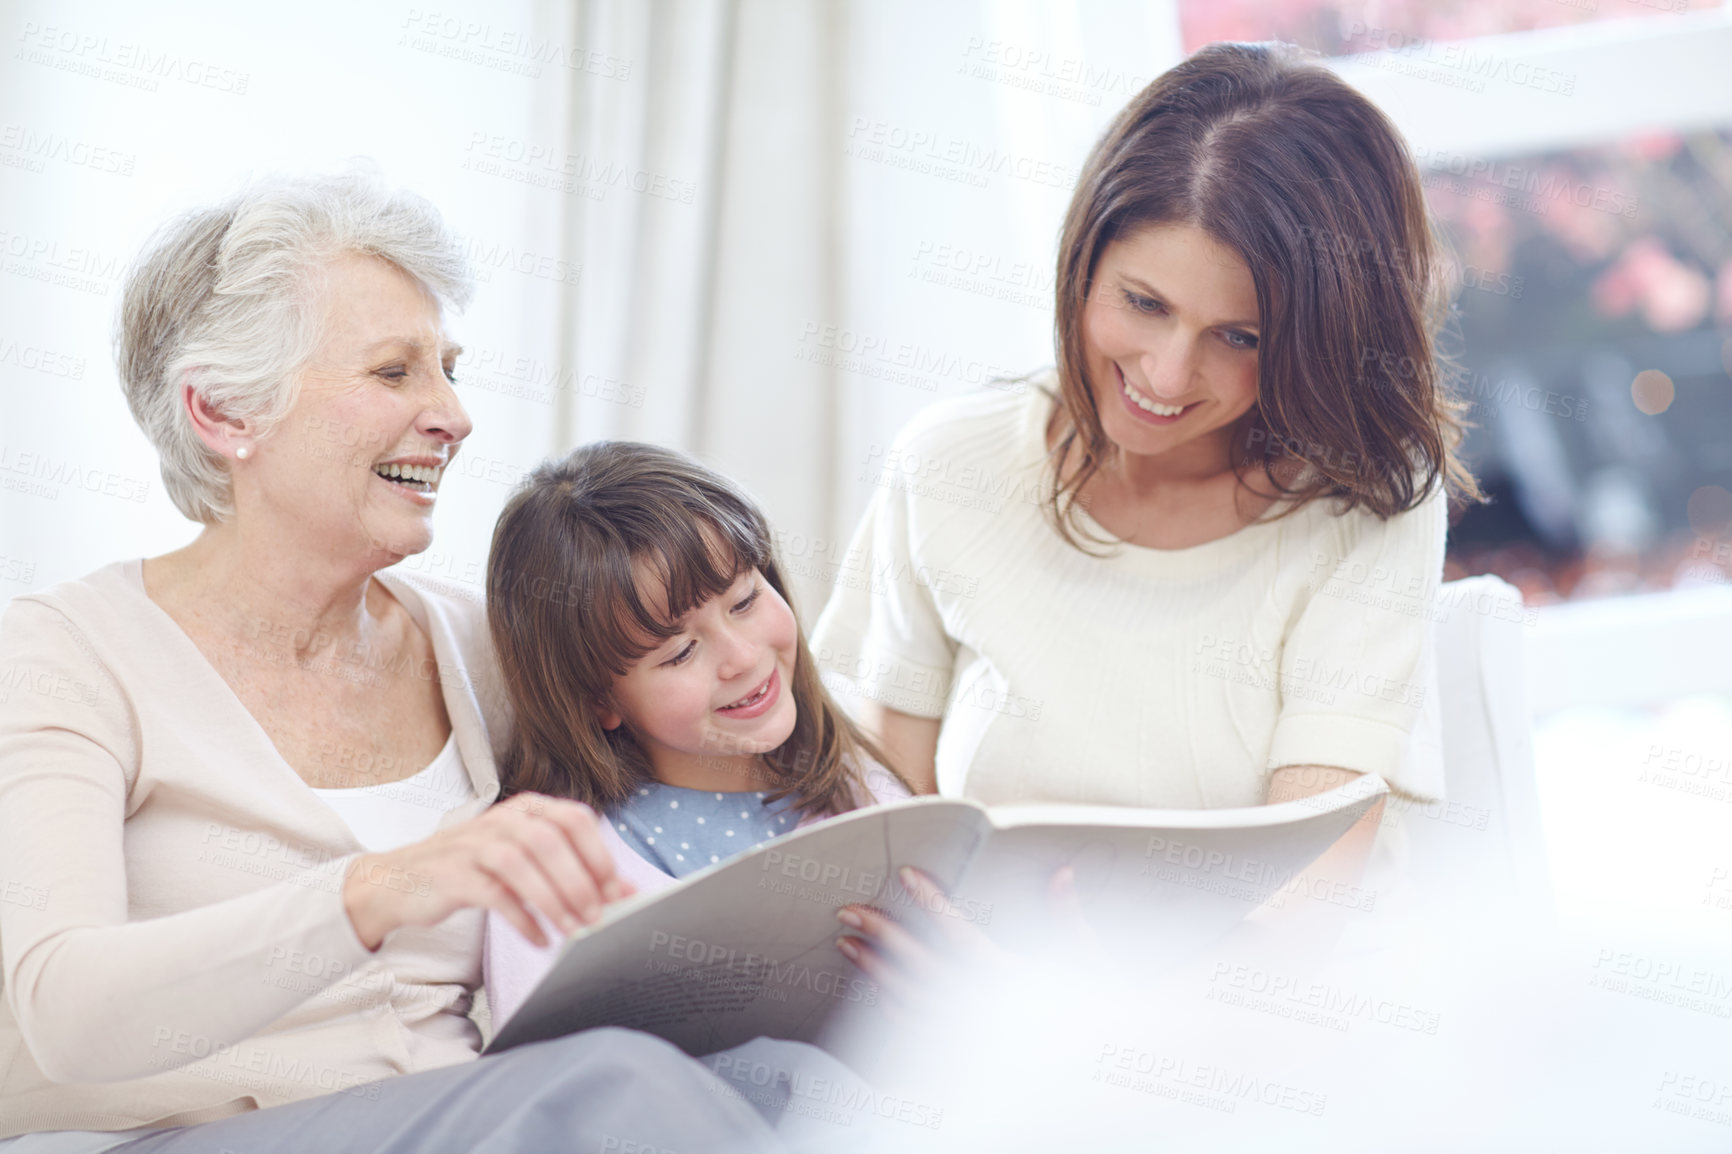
(878,192)
(113,118)
(91,164)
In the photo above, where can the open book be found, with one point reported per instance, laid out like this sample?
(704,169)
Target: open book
(747,947)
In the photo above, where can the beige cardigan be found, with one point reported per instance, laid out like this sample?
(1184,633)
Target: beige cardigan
(172,930)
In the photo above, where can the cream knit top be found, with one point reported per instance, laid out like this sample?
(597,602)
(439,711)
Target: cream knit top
(1151,677)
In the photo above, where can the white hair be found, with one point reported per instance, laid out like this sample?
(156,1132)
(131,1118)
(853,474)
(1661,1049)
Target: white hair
(225,299)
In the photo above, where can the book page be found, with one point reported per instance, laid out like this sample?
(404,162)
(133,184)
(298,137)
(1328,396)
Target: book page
(1158,884)
(747,947)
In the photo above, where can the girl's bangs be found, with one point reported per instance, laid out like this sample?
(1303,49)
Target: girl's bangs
(692,559)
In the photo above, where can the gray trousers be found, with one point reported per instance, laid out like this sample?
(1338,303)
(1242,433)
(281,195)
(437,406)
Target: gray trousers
(606,1091)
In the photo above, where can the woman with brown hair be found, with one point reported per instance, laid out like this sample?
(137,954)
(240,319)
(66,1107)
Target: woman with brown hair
(1197,562)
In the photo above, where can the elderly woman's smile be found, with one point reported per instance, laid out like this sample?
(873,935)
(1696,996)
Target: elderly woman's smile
(420,476)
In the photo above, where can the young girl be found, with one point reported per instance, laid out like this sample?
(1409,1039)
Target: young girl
(658,674)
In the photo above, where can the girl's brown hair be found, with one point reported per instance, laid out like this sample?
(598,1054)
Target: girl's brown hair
(1280,161)
(567,619)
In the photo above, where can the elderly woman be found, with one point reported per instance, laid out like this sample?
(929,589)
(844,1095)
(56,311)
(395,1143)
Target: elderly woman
(245,786)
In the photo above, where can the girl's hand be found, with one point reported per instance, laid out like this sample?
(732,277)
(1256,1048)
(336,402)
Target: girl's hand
(530,850)
(906,969)
(910,972)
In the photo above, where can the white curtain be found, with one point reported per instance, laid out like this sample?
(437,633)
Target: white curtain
(688,289)
(875,191)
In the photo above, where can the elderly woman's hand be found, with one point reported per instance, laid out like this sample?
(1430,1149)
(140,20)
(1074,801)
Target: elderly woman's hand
(528,851)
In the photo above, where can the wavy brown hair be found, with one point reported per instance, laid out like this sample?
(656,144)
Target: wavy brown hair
(1282,162)
(567,619)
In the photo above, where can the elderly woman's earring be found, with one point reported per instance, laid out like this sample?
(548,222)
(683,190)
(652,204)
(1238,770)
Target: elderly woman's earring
(244,452)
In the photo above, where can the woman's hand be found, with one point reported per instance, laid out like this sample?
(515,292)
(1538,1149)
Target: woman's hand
(1345,859)
(530,850)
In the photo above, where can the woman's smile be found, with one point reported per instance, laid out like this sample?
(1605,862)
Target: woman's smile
(1145,408)
(415,478)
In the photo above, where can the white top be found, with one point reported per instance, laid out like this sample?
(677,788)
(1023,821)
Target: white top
(1151,677)
(397,813)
